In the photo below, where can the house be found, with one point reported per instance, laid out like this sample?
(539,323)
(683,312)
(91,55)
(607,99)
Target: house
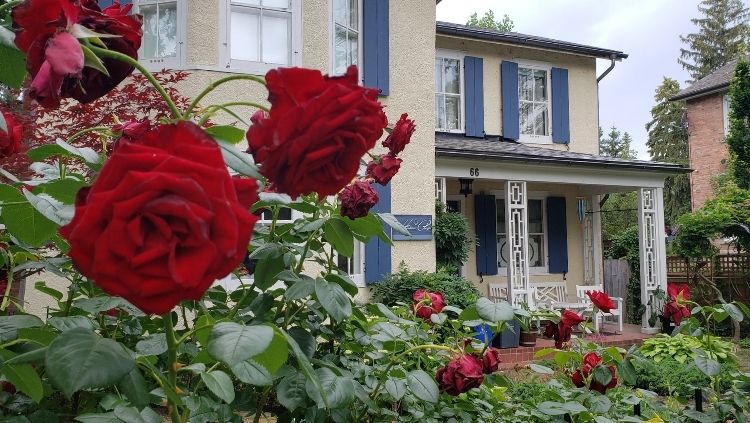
(708,125)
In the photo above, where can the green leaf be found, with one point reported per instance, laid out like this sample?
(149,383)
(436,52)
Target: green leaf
(552,408)
(339,390)
(627,372)
(266,271)
(494,312)
(134,387)
(239,161)
(22,220)
(333,299)
(98,418)
(394,223)
(93,61)
(303,288)
(305,366)
(291,392)
(305,340)
(232,342)
(153,345)
(41,286)
(252,373)
(340,236)
(82,359)
(220,384)
(708,366)
(367,226)
(9,325)
(34,356)
(396,387)
(87,154)
(602,374)
(544,352)
(64,190)
(71,322)
(733,311)
(541,369)
(423,386)
(25,379)
(276,355)
(599,404)
(45,151)
(344,281)
(13,65)
(226,133)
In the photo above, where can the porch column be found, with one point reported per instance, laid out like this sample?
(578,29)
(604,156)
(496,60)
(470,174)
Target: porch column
(652,245)
(517,224)
(596,219)
(588,242)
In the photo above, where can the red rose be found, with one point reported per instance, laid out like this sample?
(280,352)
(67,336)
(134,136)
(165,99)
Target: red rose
(130,131)
(570,318)
(318,129)
(163,220)
(10,140)
(460,375)
(401,135)
(675,311)
(577,379)
(427,303)
(601,300)
(591,359)
(382,172)
(491,360)
(563,334)
(54,57)
(550,330)
(357,199)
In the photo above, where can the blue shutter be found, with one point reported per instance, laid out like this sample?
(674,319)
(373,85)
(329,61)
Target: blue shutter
(485,227)
(107,3)
(560,106)
(474,87)
(375,53)
(509,76)
(557,235)
(377,252)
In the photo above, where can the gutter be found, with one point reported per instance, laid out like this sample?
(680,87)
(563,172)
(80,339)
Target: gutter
(700,93)
(612,58)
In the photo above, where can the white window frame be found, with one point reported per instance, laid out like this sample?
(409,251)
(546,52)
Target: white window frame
(448,54)
(177,62)
(441,190)
(725,107)
(332,30)
(359,264)
(529,138)
(537,195)
(257,68)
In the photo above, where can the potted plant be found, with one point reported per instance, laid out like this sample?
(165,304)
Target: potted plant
(529,323)
(654,305)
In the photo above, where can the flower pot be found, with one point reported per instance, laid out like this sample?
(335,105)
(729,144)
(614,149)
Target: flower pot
(528,339)
(666,325)
(510,337)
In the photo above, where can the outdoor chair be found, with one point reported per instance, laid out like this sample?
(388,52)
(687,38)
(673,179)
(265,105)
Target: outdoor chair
(616,313)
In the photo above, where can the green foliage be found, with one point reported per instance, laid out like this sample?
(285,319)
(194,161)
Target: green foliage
(616,144)
(619,210)
(681,348)
(399,288)
(626,245)
(738,138)
(488,22)
(670,377)
(452,238)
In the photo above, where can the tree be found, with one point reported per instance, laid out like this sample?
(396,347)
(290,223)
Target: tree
(618,210)
(668,142)
(738,139)
(722,36)
(488,22)
(616,145)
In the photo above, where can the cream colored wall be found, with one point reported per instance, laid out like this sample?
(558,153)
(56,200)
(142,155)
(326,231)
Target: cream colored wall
(575,234)
(584,131)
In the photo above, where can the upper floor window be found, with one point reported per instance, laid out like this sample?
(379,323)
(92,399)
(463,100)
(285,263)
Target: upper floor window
(534,103)
(163,33)
(262,34)
(448,94)
(537,225)
(346,34)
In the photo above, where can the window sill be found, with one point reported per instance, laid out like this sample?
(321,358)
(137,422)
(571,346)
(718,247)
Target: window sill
(530,139)
(533,271)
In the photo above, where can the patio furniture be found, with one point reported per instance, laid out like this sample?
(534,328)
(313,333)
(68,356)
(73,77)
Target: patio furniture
(617,313)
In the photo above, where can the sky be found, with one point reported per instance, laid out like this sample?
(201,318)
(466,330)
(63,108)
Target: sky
(648,30)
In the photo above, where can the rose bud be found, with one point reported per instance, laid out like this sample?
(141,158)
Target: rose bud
(400,136)
(357,199)
(460,375)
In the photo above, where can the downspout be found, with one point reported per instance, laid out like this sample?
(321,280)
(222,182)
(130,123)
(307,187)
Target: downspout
(612,59)
(608,70)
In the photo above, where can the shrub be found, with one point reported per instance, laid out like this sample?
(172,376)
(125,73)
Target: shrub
(452,239)
(399,287)
(680,348)
(670,377)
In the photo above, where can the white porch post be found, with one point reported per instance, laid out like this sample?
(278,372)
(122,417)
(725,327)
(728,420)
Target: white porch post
(653,250)
(590,242)
(516,222)
(596,219)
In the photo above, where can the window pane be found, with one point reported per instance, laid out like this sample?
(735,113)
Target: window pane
(536,251)
(452,112)
(525,84)
(354,14)
(502,251)
(353,50)
(285,214)
(540,119)
(282,4)
(276,39)
(244,36)
(149,30)
(438,75)
(339,12)
(167,30)
(500,207)
(439,111)
(248,2)
(452,76)
(540,85)
(535,216)
(340,51)
(453,206)
(524,115)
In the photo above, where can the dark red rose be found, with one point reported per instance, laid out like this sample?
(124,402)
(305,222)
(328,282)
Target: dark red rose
(427,303)
(550,330)
(601,300)
(577,379)
(163,220)
(675,311)
(10,140)
(357,199)
(382,172)
(112,312)
(570,318)
(591,359)
(318,129)
(8,387)
(563,334)
(400,136)
(491,360)
(63,59)
(130,131)
(460,375)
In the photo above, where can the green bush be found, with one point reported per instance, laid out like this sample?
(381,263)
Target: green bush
(452,239)
(399,287)
(670,377)
(680,348)
(626,246)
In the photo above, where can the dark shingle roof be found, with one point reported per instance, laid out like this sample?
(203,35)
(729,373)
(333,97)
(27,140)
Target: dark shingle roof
(448,28)
(458,145)
(717,80)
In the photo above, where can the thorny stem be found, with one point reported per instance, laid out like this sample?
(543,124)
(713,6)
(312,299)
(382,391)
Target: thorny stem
(212,86)
(8,286)
(301,263)
(261,404)
(172,362)
(396,358)
(212,110)
(87,130)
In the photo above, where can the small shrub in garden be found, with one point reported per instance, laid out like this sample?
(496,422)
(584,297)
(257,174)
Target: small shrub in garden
(400,286)
(670,377)
(452,238)
(681,347)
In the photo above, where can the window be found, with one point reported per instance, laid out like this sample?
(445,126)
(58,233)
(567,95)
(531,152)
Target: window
(353,266)
(285,216)
(448,94)
(262,34)
(534,103)
(440,192)
(537,238)
(346,34)
(163,27)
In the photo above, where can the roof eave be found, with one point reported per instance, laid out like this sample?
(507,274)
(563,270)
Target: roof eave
(700,93)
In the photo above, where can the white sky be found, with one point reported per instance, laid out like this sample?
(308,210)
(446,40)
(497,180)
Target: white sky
(647,30)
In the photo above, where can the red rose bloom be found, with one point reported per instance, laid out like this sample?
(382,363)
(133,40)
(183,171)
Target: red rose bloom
(382,172)
(318,129)
(675,311)
(427,303)
(163,220)
(400,135)
(550,330)
(357,199)
(10,140)
(491,360)
(601,300)
(591,359)
(563,334)
(130,131)
(570,318)
(577,379)
(460,375)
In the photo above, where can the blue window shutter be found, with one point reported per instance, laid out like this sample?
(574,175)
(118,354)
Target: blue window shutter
(509,76)
(105,3)
(557,237)
(377,252)
(485,227)
(375,53)
(474,96)
(560,106)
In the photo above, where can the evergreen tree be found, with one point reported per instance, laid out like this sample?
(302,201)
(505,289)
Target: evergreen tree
(488,22)
(738,139)
(619,211)
(668,142)
(616,144)
(722,36)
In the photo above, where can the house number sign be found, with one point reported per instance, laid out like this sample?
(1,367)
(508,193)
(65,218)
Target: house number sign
(473,171)
(418,225)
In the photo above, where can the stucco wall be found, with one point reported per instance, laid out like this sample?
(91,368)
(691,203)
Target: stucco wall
(584,133)
(708,151)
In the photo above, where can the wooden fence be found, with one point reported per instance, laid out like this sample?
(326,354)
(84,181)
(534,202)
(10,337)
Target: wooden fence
(730,273)
(616,275)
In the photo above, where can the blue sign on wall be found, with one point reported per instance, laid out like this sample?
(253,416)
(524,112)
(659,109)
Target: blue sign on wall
(419,226)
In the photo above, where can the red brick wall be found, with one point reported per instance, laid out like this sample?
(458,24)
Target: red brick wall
(708,152)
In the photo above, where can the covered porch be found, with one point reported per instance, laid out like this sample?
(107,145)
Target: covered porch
(535,213)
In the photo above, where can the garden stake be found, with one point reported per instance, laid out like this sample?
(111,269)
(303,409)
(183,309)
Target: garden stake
(698,400)
(637,409)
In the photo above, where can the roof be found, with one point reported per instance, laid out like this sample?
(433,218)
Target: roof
(495,148)
(717,80)
(515,38)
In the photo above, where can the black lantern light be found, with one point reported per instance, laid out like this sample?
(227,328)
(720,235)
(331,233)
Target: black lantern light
(465,186)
